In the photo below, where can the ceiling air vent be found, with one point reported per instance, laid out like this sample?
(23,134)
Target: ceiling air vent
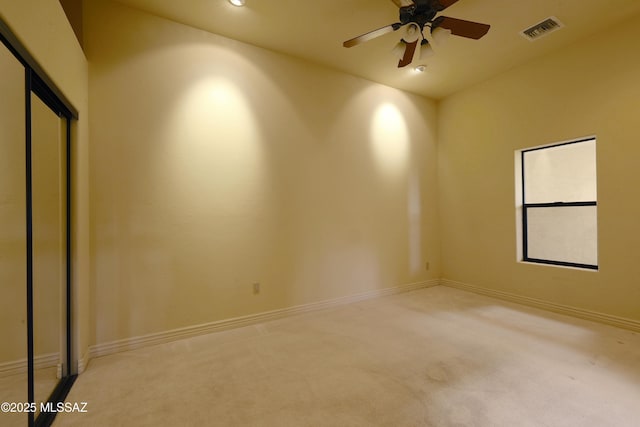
(543,28)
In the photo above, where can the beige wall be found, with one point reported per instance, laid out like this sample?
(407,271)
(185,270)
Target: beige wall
(43,29)
(590,88)
(216,164)
(73,11)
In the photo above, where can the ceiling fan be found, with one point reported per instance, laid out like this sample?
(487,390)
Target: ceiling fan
(415,15)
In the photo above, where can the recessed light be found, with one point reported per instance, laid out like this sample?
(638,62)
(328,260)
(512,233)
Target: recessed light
(237,2)
(420,68)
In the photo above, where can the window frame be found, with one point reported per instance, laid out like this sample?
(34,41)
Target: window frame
(527,206)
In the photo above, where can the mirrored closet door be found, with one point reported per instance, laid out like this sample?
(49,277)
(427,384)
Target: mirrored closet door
(49,242)
(35,240)
(13,239)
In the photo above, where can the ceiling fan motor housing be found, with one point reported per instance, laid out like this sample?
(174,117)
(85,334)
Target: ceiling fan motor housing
(421,12)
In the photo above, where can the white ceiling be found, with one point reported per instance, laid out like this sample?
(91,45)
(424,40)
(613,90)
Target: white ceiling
(315,29)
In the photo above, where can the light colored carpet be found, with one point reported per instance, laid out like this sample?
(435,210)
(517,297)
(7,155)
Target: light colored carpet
(13,388)
(434,357)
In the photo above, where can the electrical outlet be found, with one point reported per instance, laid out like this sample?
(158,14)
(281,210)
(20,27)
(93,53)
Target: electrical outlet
(256,287)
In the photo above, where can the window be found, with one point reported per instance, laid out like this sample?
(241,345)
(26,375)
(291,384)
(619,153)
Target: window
(559,204)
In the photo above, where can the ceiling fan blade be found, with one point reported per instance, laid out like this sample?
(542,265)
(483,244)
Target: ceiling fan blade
(446,3)
(371,35)
(462,28)
(408,54)
(404,3)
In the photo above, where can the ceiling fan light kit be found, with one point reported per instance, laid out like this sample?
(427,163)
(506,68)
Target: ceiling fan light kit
(415,16)
(399,48)
(440,36)
(425,50)
(237,2)
(413,32)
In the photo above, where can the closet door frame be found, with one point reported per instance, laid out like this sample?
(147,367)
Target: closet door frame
(38,83)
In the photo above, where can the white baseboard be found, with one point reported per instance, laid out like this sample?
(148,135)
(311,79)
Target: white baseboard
(608,319)
(222,325)
(237,322)
(20,366)
(83,362)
